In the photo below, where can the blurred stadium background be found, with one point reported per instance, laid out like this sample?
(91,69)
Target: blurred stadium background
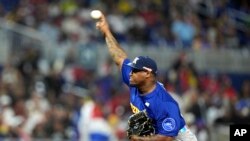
(57,82)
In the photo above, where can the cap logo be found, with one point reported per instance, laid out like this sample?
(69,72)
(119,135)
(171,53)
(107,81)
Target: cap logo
(135,60)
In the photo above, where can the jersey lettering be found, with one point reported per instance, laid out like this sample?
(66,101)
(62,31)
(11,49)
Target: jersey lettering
(134,109)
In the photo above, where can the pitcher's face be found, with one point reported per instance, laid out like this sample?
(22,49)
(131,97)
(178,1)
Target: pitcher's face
(137,77)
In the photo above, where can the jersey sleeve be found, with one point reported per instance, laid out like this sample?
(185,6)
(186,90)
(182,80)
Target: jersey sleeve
(125,70)
(169,121)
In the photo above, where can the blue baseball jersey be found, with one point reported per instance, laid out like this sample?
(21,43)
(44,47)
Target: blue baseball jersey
(159,104)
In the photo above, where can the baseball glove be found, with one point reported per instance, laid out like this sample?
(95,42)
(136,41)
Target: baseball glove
(140,124)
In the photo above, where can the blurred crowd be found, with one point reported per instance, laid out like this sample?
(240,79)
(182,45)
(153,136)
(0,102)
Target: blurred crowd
(75,103)
(66,101)
(193,24)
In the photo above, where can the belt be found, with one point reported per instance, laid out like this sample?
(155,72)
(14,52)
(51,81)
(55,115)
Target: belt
(183,129)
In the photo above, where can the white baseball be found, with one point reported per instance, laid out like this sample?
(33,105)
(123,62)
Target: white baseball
(96,14)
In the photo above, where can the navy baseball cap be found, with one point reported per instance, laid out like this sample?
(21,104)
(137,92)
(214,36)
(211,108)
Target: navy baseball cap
(144,63)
